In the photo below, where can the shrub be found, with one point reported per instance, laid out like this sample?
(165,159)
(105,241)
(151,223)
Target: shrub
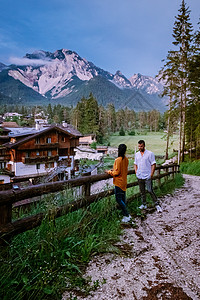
(132,132)
(121,132)
(93,145)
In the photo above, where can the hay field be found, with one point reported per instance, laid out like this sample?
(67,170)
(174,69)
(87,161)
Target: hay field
(155,142)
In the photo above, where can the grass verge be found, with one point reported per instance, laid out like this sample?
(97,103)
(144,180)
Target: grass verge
(192,167)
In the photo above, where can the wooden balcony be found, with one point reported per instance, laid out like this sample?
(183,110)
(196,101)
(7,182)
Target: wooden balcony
(46,145)
(39,159)
(5,157)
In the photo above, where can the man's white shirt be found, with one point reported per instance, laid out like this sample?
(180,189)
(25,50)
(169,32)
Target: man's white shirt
(144,163)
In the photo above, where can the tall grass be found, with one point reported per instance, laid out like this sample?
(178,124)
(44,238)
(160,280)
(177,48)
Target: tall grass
(192,167)
(43,262)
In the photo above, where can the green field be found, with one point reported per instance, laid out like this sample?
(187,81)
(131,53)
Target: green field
(155,141)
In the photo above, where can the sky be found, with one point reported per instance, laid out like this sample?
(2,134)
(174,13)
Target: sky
(132,36)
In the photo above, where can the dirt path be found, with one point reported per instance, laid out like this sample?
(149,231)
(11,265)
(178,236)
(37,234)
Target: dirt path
(161,257)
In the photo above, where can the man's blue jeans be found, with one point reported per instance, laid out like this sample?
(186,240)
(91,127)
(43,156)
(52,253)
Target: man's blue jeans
(147,184)
(120,197)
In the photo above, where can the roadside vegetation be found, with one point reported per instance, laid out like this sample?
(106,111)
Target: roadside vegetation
(190,167)
(44,262)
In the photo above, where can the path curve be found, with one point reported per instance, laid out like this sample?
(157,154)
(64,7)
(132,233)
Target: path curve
(161,257)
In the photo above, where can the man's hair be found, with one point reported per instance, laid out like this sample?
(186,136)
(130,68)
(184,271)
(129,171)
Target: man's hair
(141,142)
(121,150)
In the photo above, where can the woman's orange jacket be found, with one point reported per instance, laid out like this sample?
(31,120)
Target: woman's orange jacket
(119,173)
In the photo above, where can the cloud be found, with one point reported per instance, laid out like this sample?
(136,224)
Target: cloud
(28,62)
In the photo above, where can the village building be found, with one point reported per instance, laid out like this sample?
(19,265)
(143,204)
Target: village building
(10,124)
(39,152)
(12,115)
(102,149)
(5,174)
(87,140)
(87,153)
(4,156)
(4,137)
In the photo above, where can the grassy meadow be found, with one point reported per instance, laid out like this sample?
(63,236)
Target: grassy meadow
(155,142)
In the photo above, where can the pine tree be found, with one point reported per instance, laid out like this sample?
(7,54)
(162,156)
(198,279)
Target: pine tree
(129,119)
(103,129)
(111,117)
(175,73)
(142,119)
(86,115)
(120,118)
(182,34)
(50,112)
(79,114)
(169,77)
(92,115)
(193,110)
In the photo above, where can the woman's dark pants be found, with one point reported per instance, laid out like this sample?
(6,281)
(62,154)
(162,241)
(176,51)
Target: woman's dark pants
(120,196)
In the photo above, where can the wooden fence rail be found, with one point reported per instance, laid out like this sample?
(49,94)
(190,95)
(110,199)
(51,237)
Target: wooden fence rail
(9,197)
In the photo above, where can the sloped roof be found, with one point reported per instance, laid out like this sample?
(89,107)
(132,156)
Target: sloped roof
(69,131)
(9,124)
(22,131)
(69,128)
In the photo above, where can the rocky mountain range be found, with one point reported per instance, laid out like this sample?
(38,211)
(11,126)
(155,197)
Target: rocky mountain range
(64,77)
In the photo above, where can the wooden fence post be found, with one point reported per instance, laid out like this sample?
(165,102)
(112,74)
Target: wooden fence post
(166,177)
(158,180)
(6,214)
(86,187)
(173,170)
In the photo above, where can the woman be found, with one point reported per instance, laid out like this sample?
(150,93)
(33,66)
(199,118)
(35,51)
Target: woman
(119,173)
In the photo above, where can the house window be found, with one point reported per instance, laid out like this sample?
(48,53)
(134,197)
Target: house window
(48,140)
(49,165)
(2,165)
(63,139)
(27,154)
(37,166)
(2,152)
(49,153)
(37,140)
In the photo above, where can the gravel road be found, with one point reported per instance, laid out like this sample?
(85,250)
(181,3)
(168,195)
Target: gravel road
(160,258)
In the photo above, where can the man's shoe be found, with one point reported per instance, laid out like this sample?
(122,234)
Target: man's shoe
(158,208)
(126,219)
(143,206)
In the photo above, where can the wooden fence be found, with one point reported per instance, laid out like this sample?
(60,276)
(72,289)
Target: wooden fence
(9,198)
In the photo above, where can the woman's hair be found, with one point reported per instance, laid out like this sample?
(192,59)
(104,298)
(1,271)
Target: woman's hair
(121,150)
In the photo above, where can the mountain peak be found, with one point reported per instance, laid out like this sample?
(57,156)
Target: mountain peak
(121,81)
(119,73)
(64,75)
(2,66)
(146,83)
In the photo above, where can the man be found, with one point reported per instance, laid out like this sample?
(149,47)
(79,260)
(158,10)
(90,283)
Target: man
(144,166)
